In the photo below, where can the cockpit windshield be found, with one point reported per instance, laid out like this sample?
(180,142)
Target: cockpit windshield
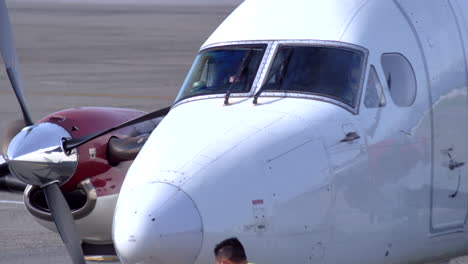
(326,71)
(223,69)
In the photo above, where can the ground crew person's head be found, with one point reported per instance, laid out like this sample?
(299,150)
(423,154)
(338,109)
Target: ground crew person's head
(230,251)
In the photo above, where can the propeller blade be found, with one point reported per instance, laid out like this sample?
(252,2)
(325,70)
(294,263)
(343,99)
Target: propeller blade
(10,183)
(4,170)
(76,142)
(10,132)
(64,221)
(8,51)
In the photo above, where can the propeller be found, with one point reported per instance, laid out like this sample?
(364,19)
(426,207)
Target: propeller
(55,199)
(45,154)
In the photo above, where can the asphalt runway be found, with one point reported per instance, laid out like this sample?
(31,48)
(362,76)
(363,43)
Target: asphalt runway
(93,55)
(75,55)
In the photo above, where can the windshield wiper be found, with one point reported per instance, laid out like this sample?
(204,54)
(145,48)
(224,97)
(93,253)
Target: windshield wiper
(283,64)
(242,68)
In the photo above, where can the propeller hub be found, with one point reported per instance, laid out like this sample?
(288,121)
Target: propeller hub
(36,155)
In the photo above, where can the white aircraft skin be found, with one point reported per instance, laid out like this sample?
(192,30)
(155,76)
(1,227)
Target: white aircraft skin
(276,174)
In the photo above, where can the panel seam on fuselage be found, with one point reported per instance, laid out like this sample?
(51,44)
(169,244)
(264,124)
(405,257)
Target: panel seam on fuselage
(352,19)
(460,35)
(431,113)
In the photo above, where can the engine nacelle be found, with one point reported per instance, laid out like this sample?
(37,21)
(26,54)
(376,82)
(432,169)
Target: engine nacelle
(93,190)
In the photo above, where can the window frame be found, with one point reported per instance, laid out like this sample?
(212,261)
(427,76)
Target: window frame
(386,82)
(255,82)
(276,45)
(266,64)
(382,85)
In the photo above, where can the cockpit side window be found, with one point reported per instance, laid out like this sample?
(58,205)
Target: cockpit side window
(326,71)
(400,78)
(215,71)
(375,96)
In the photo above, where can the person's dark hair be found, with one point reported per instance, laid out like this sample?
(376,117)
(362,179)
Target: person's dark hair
(231,249)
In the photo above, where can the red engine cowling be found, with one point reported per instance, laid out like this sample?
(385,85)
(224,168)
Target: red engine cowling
(93,190)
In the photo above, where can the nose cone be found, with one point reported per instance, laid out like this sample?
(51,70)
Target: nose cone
(160,224)
(36,155)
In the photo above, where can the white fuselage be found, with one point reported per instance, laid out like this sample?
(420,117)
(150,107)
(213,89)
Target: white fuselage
(281,176)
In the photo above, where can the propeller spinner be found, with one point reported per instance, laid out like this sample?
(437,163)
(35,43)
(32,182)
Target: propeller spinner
(36,155)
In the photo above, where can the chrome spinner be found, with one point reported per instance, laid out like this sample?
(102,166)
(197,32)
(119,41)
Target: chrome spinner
(36,155)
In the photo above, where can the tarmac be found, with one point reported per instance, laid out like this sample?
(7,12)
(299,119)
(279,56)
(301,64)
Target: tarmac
(113,55)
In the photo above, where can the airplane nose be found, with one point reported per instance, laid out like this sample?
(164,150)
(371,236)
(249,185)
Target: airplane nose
(157,223)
